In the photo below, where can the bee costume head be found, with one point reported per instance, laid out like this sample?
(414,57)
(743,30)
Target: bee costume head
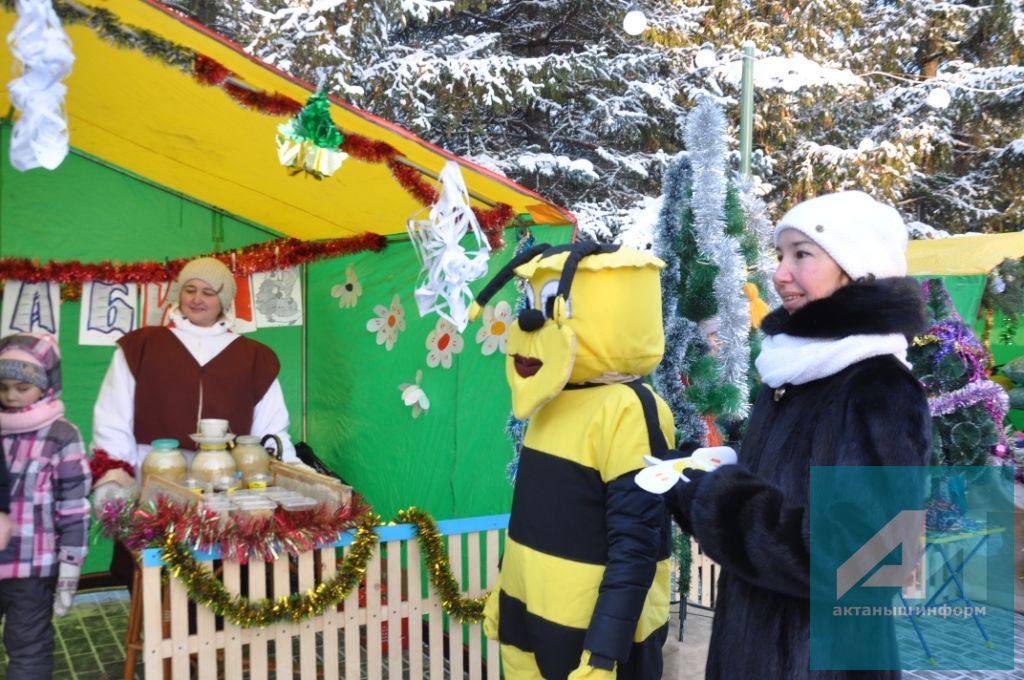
(593,314)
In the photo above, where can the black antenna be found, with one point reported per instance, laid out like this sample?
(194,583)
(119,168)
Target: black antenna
(505,274)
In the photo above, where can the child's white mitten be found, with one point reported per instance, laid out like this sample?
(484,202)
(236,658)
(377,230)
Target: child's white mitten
(67,584)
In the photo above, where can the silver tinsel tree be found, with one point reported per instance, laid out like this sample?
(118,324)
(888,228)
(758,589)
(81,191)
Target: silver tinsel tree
(705,139)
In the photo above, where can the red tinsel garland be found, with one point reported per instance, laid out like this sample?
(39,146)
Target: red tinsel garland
(208,71)
(274,104)
(259,257)
(238,538)
(493,223)
(101,463)
(413,182)
(368,150)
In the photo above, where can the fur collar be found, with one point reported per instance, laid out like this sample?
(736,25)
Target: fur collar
(879,307)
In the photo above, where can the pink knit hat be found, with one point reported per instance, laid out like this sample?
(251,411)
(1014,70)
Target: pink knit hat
(32,358)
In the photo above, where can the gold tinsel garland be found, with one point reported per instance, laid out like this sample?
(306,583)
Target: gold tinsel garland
(203,587)
(462,609)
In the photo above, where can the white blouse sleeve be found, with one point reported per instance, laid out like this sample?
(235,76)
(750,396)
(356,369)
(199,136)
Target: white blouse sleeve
(271,417)
(113,416)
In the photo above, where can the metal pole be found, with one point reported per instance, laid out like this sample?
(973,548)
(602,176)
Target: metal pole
(747,108)
(304,356)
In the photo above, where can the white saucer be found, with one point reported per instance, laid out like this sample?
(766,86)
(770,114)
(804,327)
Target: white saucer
(200,438)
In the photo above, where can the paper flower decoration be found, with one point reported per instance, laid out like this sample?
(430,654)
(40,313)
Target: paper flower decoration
(413,395)
(493,332)
(348,293)
(388,323)
(309,142)
(448,267)
(442,343)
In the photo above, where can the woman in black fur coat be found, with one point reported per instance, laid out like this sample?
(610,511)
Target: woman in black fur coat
(838,392)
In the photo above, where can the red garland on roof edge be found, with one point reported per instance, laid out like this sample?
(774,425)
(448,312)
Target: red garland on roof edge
(492,221)
(210,72)
(258,257)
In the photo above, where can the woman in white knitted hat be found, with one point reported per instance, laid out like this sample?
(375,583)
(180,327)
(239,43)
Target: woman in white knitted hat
(161,380)
(838,392)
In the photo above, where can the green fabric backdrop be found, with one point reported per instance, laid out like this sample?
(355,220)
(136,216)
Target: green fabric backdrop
(449,461)
(85,210)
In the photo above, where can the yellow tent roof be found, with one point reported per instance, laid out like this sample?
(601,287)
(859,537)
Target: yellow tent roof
(963,255)
(156,120)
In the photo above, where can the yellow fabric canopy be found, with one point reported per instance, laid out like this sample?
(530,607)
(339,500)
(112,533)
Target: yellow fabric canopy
(963,255)
(137,112)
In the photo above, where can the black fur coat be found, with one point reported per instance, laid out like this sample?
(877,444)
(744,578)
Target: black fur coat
(752,518)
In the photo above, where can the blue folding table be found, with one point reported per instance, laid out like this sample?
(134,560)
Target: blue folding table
(936,542)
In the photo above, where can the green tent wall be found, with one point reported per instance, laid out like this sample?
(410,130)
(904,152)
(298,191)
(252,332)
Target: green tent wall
(451,460)
(340,386)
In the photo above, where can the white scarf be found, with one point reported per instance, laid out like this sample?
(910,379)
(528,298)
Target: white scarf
(202,342)
(794,360)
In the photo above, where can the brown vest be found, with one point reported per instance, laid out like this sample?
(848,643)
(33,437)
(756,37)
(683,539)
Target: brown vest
(168,381)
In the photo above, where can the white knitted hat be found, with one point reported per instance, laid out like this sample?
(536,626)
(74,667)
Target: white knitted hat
(862,235)
(215,273)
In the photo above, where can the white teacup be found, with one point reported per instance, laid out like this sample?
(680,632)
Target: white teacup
(213,427)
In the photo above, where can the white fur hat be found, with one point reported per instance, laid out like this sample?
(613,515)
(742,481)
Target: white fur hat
(213,272)
(862,235)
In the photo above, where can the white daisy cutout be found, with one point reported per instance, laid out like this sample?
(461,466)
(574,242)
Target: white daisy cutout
(413,395)
(442,343)
(493,332)
(348,293)
(388,323)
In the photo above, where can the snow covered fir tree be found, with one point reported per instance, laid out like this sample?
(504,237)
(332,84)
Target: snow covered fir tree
(919,103)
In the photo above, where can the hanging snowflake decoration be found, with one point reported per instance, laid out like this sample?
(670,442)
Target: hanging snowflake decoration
(442,343)
(348,293)
(414,396)
(493,333)
(388,323)
(448,267)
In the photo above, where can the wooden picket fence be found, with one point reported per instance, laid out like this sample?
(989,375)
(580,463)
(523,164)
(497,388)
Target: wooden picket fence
(703,578)
(391,627)
(394,614)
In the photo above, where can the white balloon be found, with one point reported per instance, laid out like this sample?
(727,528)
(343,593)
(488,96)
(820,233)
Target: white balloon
(635,22)
(705,57)
(938,98)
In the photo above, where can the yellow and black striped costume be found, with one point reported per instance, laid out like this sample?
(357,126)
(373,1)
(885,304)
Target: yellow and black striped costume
(584,584)
(586,558)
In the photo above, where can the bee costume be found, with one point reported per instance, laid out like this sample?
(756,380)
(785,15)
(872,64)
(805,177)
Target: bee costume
(584,585)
